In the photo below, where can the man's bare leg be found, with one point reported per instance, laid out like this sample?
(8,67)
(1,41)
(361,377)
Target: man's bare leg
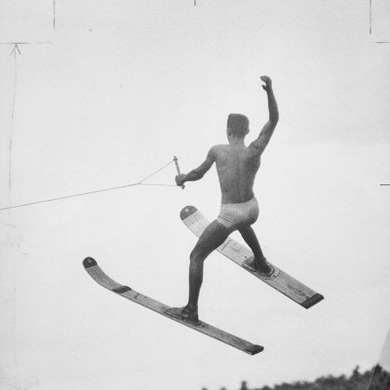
(213,236)
(259,262)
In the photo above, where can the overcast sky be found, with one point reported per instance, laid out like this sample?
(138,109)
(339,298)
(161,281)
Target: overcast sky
(112,94)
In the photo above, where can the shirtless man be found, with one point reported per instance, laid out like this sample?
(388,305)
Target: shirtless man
(237,166)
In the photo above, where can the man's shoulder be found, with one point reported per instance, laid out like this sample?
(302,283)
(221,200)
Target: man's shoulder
(218,150)
(220,147)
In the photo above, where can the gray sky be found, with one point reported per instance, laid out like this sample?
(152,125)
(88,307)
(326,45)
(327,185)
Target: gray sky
(124,87)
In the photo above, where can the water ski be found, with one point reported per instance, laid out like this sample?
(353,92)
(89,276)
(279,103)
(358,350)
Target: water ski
(240,254)
(101,278)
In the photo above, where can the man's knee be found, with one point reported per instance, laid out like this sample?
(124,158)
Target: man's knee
(197,255)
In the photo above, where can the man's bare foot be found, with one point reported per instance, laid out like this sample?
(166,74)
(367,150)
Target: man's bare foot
(184,314)
(263,268)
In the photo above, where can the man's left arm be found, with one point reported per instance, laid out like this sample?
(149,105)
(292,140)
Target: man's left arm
(266,133)
(199,172)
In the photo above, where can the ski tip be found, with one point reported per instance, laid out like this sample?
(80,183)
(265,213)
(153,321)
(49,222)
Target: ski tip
(254,349)
(187,211)
(89,262)
(312,301)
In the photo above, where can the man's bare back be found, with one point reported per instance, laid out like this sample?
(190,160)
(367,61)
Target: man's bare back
(237,166)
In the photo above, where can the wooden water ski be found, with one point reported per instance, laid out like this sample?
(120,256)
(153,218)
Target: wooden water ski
(101,278)
(238,253)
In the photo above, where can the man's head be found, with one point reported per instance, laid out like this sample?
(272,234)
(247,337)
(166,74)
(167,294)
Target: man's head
(237,125)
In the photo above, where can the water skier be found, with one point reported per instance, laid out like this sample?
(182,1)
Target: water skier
(237,166)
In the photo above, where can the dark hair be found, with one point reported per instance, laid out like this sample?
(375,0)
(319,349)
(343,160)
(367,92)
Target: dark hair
(238,125)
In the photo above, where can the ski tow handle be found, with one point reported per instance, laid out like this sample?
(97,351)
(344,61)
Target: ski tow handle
(175,159)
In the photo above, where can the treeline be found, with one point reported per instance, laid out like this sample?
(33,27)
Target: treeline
(375,379)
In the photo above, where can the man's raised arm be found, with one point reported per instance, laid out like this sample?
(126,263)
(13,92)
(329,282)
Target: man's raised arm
(266,133)
(199,172)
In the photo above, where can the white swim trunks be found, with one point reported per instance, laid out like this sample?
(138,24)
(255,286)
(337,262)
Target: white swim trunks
(233,215)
